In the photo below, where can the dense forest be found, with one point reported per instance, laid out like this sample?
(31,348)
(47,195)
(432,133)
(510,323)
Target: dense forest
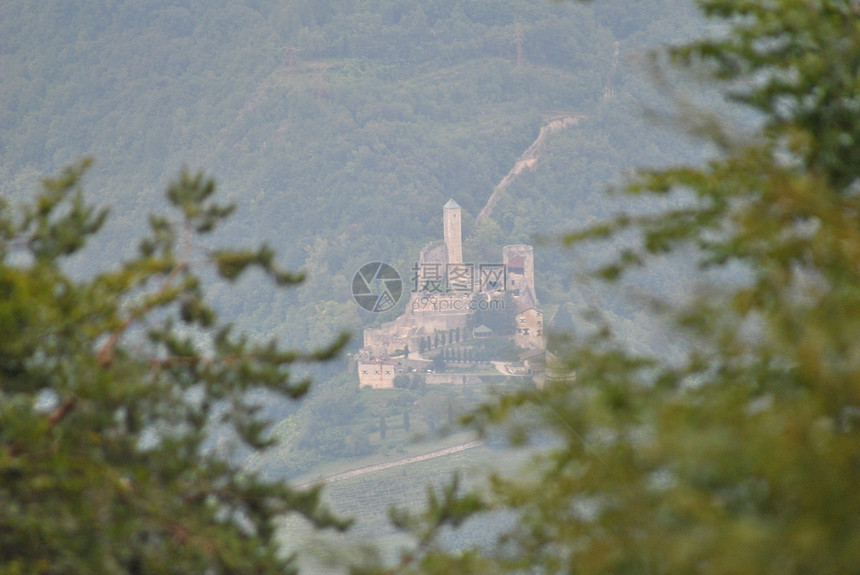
(339,128)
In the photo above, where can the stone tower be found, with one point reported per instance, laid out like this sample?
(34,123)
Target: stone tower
(519,260)
(453,241)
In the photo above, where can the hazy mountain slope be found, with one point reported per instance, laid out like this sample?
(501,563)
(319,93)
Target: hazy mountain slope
(338,127)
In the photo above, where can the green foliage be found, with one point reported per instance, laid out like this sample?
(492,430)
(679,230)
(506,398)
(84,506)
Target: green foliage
(113,390)
(493,348)
(447,507)
(402,381)
(499,318)
(741,456)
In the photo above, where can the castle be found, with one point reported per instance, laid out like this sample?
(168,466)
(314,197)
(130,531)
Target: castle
(446,296)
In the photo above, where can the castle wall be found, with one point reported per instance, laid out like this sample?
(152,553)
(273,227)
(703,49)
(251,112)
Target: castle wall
(430,275)
(376,374)
(529,333)
(388,338)
(452,378)
(442,321)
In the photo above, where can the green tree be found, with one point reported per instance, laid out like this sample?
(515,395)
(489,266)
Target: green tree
(401,381)
(501,319)
(419,382)
(744,455)
(439,363)
(114,388)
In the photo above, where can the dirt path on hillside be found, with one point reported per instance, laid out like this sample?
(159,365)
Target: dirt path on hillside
(396,463)
(528,159)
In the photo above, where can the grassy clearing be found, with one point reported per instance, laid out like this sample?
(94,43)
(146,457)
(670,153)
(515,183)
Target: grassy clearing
(367,499)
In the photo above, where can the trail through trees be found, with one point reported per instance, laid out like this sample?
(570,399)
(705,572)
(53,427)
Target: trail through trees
(529,158)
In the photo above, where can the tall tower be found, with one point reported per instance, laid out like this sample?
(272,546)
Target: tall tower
(453,241)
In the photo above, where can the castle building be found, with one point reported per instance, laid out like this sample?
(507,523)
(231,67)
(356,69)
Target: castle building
(444,292)
(529,325)
(378,374)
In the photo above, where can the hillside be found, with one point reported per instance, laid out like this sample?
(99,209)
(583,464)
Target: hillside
(339,128)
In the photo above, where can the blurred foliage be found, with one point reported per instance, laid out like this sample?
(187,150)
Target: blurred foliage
(742,455)
(114,390)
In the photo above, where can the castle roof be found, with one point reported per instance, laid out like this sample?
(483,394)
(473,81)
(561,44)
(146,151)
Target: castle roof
(451,205)
(523,307)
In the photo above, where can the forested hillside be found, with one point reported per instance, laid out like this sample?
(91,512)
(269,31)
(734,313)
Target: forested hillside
(340,127)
